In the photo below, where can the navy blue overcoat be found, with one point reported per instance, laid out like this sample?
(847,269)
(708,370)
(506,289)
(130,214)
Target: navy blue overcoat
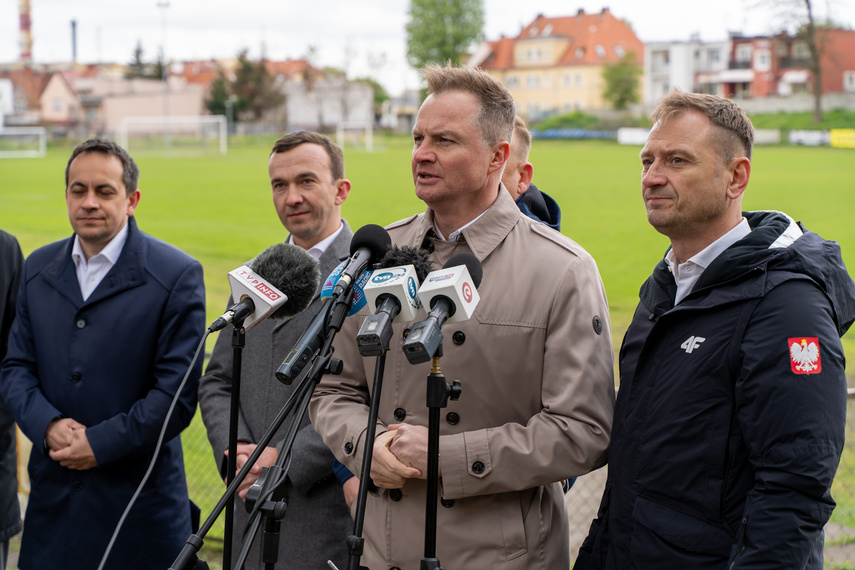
(113,363)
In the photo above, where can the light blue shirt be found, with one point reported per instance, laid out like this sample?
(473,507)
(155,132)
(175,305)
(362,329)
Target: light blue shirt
(91,272)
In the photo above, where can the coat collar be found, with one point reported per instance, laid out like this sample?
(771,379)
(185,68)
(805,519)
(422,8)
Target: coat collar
(485,234)
(128,272)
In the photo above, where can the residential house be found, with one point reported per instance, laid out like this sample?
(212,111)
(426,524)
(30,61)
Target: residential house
(555,65)
(780,65)
(693,66)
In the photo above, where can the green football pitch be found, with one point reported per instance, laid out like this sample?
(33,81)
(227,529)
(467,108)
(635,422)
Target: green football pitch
(219,210)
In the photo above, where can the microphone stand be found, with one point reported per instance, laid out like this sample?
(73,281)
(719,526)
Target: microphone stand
(267,498)
(187,558)
(238,343)
(355,542)
(438,393)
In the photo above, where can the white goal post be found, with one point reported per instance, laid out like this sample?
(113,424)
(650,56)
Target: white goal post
(175,133)
(23,142)
(352,131)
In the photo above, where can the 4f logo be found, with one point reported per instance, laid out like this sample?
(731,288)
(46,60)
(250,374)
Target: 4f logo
(692,343)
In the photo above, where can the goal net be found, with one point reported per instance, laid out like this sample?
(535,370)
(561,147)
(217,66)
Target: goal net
(355,133)
(190,135)
(23,142)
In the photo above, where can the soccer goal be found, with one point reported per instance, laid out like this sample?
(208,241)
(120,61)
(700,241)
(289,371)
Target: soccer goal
(196,134)
(23,142)
(355,133)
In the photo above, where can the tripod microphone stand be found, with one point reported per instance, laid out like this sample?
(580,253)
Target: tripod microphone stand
(438,393)
(322,362)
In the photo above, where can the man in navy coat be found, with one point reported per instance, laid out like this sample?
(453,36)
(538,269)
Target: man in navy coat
(106,327)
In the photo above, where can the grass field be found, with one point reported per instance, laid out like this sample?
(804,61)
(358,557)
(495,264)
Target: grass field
(218,209)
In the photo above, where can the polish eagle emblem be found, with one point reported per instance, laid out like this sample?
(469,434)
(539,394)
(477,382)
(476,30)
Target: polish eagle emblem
(804,355)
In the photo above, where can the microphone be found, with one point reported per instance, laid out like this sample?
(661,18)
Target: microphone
(451,293)
(369,243)
(358,288)
(305,348)
(392,290)
(280,283)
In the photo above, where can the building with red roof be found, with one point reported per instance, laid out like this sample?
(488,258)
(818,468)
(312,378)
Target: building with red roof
(555,65)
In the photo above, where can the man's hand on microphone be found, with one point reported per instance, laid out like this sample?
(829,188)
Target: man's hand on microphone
(387,471)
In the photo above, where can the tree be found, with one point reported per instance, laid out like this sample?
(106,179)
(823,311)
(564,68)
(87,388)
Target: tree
(800,16)
(252,91)
(621,79)
(139,68)
(442,30)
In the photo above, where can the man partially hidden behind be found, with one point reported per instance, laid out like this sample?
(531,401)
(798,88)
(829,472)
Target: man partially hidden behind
(729,424)
(535,361)
(308,187)
(517,175)
(107,323)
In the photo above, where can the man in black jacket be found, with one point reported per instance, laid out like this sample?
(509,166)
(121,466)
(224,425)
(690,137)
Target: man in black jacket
(730,420)
(11,262)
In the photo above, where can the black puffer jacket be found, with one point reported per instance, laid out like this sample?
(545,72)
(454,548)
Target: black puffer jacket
(730,419)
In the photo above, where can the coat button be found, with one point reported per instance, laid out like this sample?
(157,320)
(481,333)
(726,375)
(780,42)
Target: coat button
(395,495)
(394,568)
(400,414)
(406,333)
(75,377)
(598,324)
(458,337)
(80,323)
(478,467)
(447,503)
(348,448)
(77,485)
(452,418)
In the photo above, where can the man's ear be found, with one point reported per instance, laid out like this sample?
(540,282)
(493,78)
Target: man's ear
(501,152)
(342,189)
(740,172)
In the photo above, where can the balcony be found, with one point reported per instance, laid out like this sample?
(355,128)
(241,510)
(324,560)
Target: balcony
(739,64)
(794,62)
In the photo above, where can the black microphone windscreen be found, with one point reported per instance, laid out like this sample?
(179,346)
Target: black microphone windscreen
(293,271)
(472,264)
(372,237)
(406,255)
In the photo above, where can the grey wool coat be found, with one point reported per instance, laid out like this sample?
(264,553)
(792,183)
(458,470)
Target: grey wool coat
(317,521)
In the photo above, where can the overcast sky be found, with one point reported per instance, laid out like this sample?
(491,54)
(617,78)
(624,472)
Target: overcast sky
(364,37)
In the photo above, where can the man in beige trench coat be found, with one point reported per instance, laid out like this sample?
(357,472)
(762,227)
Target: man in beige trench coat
(535,361)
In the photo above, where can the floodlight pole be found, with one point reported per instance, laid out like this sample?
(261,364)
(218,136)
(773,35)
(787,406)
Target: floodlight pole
(165,76)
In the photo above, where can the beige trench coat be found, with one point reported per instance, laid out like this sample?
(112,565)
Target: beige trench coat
(536,365)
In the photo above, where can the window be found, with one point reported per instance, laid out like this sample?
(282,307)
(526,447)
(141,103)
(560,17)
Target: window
(601,51)
(57,105)
(619,51)
(849,81)
(578,80)
(547,30)
(762,60)
(568,80)
(713,56)
(512,82)
(743,52)
(580,52)
(532,81)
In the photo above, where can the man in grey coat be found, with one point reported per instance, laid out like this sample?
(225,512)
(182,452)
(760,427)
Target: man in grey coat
(308,187)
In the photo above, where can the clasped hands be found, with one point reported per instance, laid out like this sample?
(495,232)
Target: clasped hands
(66,439)
(400,454)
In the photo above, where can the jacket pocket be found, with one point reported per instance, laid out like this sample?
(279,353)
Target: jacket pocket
(509,516)
(683,531)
